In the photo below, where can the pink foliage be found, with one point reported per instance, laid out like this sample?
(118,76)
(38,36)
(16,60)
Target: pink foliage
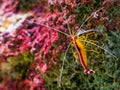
(37,34)
(8,7)
(32,84)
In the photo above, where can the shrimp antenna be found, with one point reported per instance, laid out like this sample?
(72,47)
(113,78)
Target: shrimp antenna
(49,27)
(88,19)
(100,48)
(63,63)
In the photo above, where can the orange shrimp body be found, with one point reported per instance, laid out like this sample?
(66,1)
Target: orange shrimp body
(82,55)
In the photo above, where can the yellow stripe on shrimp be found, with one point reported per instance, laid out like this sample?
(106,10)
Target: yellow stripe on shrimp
(80,48)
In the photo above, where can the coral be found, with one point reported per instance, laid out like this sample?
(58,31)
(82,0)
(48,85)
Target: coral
(35,34)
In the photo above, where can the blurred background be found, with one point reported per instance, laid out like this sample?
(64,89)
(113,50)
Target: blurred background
(16,70)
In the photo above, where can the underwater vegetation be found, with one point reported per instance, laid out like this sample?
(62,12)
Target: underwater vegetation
(59,44)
